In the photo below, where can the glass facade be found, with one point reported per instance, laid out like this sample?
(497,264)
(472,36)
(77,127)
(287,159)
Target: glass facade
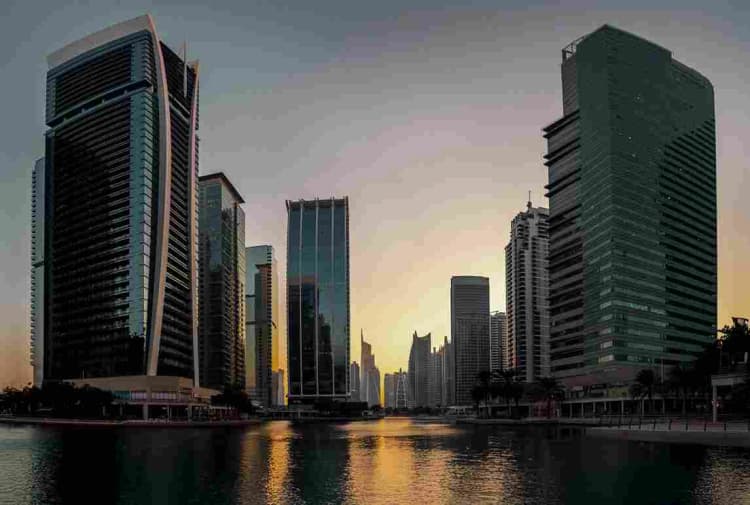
(318,299)
(470,332)
(221,326)
(119,221)
(632,188)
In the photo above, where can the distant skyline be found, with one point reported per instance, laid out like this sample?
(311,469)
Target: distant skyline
(428,117)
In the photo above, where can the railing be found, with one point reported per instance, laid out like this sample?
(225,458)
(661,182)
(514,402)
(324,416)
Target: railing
(671,423)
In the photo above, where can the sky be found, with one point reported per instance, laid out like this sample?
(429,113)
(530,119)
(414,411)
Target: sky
(426,114)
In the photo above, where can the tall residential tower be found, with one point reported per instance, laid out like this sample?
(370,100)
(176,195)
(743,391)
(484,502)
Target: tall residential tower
(262,317)
(498,340)
(632,189)
(120,220)
(527,293)
(221,325)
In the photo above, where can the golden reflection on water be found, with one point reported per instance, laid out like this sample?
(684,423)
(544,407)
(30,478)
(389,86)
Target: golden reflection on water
(278,463)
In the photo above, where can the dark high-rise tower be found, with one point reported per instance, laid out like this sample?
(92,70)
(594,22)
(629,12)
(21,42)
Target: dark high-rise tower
(221,325)
(632,189)
(419,370)
(470,332)
(318,299)
(120,222)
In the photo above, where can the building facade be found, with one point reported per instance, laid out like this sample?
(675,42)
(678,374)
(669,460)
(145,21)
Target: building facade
(354,375)
(402,390)
(318,300)
(120,216)
(436,380)
(370,379)
(470,330)
(527,294)
(389,391)
(37,272)
(632,191)
(221,305)
(420,370)
(449,374)
(498,340)
(262,316)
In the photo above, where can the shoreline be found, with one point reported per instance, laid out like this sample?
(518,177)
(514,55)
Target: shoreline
(130,423)
(709,438)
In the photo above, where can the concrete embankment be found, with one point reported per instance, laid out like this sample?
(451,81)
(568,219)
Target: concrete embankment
(721,438)
(560,421)
(152,423)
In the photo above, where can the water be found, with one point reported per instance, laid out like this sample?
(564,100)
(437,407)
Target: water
(380,462)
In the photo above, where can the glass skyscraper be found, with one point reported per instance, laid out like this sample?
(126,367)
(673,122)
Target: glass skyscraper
(120,180)
(221,325)
(470,332)
(632,189)
(318,300)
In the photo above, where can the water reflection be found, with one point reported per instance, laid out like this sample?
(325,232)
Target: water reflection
(379,462)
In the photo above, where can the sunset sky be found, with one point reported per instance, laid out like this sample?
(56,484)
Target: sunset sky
(426,114)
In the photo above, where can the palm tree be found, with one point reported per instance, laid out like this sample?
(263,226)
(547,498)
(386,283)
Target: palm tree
(483,379)
(477,394)
(644,386)
(507,379)
(682,380)
(551,390)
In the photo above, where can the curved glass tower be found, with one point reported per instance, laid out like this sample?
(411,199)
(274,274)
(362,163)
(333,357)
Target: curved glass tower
(120,207)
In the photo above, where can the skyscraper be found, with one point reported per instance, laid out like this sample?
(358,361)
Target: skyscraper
(370,381)
(435,381)
(498,340)
(449,373)
(395,390)
(389,390)
(120,189)
(527,293)
(419,371)
(470,329)
(221,306)
(354,375)
(318,300)
(402,390)
(632,189)
(37,271)
(262,335)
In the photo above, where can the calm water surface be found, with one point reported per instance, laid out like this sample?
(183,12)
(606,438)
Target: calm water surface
(379,462)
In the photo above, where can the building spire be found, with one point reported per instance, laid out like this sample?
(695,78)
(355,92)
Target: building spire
(528,203)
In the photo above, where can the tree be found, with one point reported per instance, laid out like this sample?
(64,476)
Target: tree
(483,381)
(506,385)
(477,393)
(548,389)
(235,397)
(644,386)
(735,343)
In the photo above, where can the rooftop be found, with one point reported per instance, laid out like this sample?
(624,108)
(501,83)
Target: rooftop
(219,176)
